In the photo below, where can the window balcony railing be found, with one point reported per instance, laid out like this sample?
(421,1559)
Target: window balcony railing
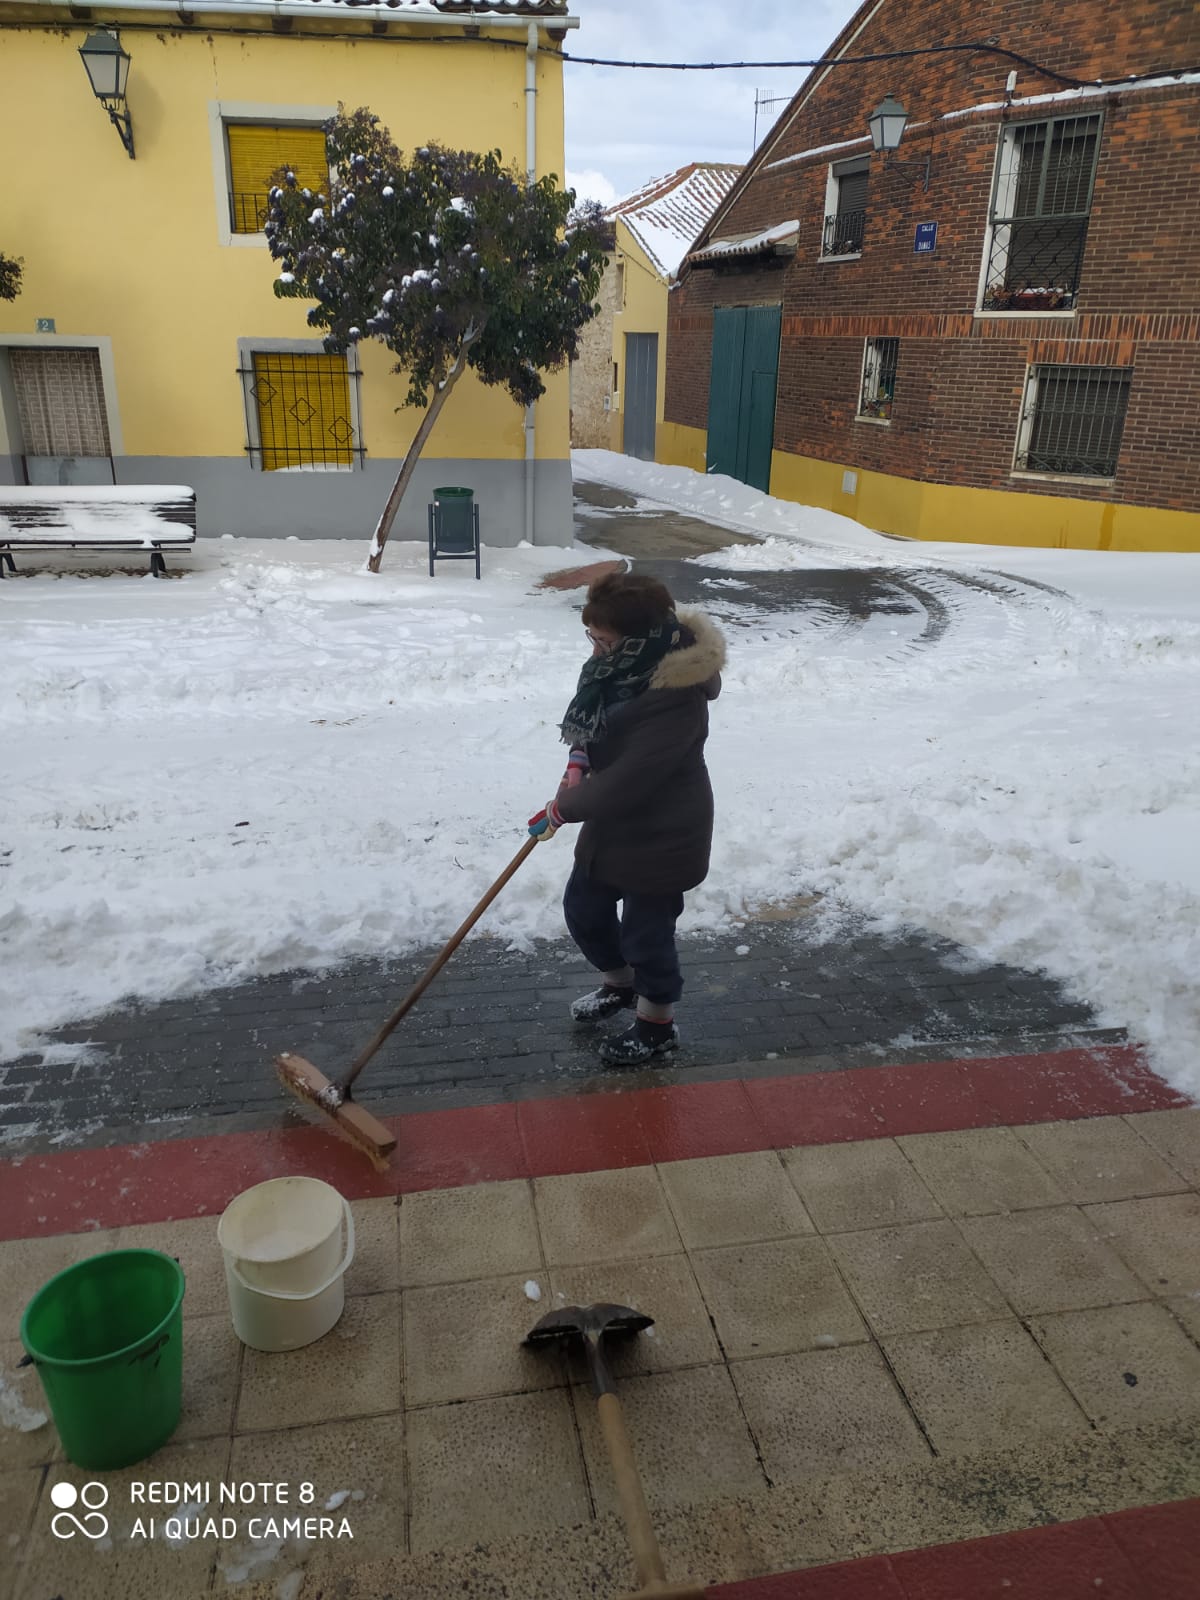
(1034,263)
(844,234)
(247,212)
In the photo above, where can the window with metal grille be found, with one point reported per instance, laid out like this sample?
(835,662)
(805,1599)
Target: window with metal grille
(299,410)
(1040,214)
(258,150)
(1072,420)
(847,202)
(879,378)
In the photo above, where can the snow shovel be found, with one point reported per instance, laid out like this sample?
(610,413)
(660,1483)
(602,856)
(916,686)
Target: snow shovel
(591,1324)
(332,1097)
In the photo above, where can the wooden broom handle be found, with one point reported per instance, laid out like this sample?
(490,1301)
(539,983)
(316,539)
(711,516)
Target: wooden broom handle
(434,967)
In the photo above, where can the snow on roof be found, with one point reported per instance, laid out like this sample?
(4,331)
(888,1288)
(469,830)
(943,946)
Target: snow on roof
(667,215)
(781,235)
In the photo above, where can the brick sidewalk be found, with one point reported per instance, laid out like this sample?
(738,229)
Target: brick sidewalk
(494,1026)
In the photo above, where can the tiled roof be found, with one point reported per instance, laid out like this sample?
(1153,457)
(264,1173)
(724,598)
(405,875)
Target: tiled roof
(781,237)
(667,215)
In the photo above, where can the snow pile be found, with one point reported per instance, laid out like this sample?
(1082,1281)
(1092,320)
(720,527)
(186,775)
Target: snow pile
(281,761)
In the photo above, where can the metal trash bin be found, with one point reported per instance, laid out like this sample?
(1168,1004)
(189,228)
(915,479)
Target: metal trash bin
(453,527)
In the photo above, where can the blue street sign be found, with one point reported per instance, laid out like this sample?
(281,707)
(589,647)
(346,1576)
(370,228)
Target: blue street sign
(926,238)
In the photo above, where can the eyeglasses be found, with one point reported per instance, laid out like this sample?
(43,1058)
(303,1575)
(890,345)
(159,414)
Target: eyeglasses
(601,644)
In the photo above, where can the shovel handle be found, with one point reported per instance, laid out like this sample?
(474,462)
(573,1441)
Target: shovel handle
(646,1554)
(435,966)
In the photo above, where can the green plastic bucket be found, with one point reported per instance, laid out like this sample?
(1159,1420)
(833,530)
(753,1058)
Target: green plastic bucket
(106,1337)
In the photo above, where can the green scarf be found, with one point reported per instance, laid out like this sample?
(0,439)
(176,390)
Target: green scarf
(613,679)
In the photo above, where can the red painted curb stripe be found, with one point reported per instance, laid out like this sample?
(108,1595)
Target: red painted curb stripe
(75,1190)
(1149,1553)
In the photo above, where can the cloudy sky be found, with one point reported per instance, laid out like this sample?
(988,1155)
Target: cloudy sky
(625,127)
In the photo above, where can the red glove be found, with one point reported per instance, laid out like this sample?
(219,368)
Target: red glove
(545,824)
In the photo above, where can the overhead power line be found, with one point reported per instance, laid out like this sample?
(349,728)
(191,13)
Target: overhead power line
(984,46)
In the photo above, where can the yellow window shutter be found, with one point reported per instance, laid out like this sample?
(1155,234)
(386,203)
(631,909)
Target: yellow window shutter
(303,404)
(257,150)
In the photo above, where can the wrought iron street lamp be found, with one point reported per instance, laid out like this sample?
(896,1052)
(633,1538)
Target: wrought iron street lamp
(887,123)
(107,67)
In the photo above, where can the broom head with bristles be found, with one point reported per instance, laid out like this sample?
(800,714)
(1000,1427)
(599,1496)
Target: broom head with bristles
(312,1088)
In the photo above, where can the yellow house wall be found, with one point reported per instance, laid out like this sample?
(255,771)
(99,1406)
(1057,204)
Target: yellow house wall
(644,310)
(936,511)
(130,249)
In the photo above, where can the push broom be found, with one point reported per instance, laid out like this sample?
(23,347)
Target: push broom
(332,1097)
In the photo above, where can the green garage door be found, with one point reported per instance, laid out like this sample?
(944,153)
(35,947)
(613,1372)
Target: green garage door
(741,395)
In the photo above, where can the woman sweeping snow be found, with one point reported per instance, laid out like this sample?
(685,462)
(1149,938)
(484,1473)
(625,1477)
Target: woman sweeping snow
(637,781)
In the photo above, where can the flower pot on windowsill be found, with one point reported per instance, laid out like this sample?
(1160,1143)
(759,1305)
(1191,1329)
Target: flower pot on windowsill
(1029,299)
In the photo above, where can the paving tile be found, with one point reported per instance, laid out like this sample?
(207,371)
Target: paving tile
(775,1298)
(1175,1135)
(689,1437)
(452,1235)
(462,1341)
(826,1411)
(733,1200)
(481,1145)
(582,1133)
(980,1170)
(1186,1309)
(1050,1260)
(1066,1084)
(871,1578)
(865,1185)
(1099,1158)
(128,1569)
(193,1242)
(1124,1364)
(353,1371)
(19,1492)
(376,1265)
(1071,1562)
(1159,1239)
(362,1460)
(1161,1461)
(923,1097)
(812,1108)
(604,1216)
(27,1264)
(663,1287)
(915,1277)
(491,1469)
(22,1401)
(689,1121)
(1162,1543)
(212,1355)
(979,1388)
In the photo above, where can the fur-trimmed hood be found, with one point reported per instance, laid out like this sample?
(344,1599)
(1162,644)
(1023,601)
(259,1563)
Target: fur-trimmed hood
(695,663)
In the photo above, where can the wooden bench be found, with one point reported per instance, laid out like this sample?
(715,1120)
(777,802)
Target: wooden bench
(152,517)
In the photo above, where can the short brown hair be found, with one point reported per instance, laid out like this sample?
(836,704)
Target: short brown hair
(628,603)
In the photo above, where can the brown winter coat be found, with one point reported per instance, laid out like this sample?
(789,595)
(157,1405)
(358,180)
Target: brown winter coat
(647,805)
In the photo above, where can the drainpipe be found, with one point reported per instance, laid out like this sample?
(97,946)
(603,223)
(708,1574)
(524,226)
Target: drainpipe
(531,49)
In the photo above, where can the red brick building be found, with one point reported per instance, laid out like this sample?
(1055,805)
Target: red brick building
(991,334)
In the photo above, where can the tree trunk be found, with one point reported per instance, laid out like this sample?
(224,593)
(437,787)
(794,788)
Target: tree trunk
(409,465)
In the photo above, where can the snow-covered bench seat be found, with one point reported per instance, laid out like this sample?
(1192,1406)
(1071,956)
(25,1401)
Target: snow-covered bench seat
(151,517)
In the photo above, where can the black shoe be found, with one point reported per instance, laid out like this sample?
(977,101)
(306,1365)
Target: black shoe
(603,1002)
(642,1042)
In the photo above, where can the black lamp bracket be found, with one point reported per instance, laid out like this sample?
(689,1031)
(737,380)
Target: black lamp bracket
(121,121)
(916,168)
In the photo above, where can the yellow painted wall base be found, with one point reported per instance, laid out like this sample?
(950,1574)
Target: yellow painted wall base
(951,513)
(677,446)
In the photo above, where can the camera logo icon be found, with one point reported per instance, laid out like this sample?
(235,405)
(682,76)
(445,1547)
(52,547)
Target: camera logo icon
(65,1524)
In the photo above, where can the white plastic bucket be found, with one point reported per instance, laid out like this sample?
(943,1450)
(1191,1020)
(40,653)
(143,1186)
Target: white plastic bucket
(285,1261)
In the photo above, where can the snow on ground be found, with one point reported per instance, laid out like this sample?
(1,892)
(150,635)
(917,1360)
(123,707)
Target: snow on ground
(279,760)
